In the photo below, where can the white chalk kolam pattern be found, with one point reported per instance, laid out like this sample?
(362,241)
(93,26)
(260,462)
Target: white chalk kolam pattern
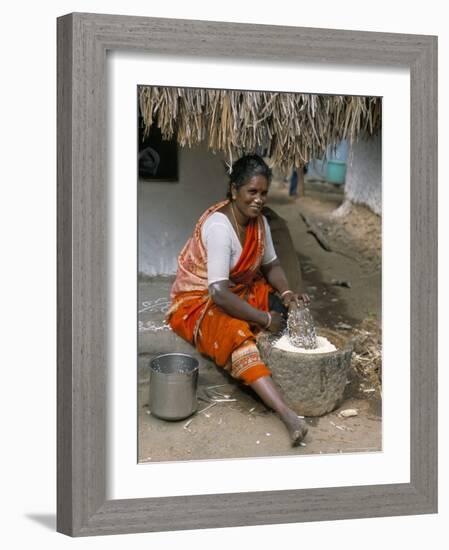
(160,305)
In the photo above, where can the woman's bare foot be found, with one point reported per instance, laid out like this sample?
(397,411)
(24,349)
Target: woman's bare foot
(297,427)
(266,389)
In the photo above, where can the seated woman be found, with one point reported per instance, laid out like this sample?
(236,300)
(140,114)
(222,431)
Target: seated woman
(226,284)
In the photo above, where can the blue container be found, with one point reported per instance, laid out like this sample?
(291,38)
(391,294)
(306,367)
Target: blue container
(336,171)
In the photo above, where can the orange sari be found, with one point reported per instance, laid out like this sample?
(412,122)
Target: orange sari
(229,341)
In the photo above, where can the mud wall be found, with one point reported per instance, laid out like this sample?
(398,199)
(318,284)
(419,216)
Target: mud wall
(167,211)
(364,173)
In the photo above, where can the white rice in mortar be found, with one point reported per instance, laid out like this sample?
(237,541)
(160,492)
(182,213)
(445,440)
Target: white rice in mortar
(324,346)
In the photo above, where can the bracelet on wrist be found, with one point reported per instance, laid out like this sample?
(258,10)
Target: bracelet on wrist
(268,323)
(286,292)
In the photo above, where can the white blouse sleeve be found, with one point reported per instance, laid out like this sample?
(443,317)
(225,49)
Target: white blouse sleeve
(217,240)
(269,254)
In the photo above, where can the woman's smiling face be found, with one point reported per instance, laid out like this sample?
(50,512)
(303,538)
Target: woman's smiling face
(251,197)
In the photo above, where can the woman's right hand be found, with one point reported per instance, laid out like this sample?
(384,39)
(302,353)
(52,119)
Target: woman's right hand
(277,322)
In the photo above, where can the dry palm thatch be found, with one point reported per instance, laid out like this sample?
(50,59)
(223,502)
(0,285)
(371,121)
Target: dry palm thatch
(291,128)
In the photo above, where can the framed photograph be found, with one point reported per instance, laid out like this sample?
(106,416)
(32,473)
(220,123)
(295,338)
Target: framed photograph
(122,472)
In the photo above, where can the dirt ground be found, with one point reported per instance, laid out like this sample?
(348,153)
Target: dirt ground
(344,284)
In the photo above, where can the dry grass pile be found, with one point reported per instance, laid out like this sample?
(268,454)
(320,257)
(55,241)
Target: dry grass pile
(367,355)
(290,128)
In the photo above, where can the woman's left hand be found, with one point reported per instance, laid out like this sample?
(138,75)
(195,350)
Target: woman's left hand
(299,299)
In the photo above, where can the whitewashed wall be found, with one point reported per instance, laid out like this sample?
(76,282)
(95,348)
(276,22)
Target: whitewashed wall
(168,211)
(364,173)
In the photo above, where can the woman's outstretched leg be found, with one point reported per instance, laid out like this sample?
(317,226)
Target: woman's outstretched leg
(270,395)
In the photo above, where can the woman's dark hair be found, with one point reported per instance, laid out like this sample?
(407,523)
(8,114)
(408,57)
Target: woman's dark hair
(245,168)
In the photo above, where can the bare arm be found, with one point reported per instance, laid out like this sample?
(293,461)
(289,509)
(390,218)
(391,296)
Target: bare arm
(235,306)
(238,308)
(275,275)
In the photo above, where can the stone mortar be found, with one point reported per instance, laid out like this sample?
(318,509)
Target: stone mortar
(312,383)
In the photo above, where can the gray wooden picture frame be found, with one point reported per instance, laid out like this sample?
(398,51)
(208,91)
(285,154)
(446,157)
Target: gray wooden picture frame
(83,40)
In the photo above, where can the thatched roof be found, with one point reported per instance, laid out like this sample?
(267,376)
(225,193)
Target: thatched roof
(291,128)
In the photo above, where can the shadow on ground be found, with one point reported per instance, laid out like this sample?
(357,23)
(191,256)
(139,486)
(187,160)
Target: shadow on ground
(46,520)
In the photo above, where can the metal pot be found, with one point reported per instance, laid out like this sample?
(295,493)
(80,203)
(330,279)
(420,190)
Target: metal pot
(173,385)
